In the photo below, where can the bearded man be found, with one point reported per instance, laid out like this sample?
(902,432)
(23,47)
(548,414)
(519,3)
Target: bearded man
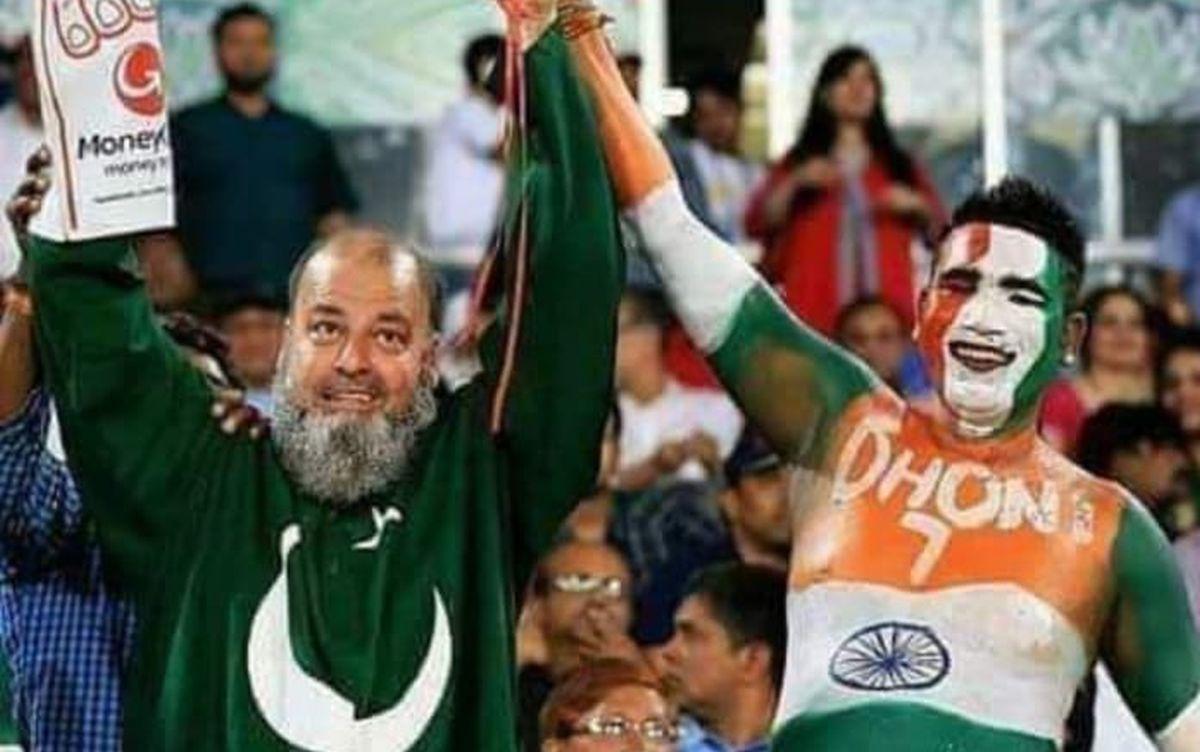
(350,585)
(952,577)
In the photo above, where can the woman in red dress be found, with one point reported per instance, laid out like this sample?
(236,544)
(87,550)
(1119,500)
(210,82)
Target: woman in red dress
(839,215)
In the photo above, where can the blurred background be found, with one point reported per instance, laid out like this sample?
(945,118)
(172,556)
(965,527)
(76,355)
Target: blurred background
(1099,97)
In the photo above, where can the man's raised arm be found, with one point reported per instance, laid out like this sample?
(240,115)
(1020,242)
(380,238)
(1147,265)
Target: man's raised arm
(793,384)
(565,268)
(134,413)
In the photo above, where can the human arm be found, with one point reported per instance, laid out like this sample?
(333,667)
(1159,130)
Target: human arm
(40,512)
(772,206)
(791,383)
(1151,645)
(135,414)
(550,358)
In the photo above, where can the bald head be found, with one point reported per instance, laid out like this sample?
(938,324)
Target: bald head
(371,248)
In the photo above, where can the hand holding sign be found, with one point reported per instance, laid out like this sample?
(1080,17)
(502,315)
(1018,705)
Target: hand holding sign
(100,71)
(27,200)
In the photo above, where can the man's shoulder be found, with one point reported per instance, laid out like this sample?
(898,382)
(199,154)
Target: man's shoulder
(199,111)
(297,121)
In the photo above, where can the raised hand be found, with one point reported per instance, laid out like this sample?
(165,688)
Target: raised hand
(531,17)
(26,201)
(234,416)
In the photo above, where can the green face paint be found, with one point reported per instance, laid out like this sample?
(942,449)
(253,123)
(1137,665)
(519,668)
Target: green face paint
(1054,279)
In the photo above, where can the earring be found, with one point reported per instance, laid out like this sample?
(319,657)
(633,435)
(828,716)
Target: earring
(1069,359)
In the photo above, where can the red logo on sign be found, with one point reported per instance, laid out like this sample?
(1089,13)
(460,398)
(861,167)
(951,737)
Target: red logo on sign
(138,79)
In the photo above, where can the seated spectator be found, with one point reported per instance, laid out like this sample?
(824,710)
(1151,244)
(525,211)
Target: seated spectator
(253,327)
(1142,448)
(670,431)
(755,503)
(1179,384)
(1178,254)
(669,532)
(580,611)
(725,662)
(874,330)
(1117,364)
(716,180)
(256,183)
(608,705)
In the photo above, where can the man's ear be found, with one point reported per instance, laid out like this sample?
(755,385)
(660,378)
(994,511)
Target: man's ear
(756,661)
(1074,331)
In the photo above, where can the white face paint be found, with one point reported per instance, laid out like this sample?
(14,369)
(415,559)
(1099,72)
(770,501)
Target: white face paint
(986,322)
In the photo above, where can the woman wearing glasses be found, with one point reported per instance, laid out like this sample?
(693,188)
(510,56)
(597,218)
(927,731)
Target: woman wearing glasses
(609,706)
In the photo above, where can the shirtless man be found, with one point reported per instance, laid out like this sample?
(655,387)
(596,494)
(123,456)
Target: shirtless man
(953,578)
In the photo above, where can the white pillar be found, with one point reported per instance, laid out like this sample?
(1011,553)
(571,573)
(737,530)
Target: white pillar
(652,39)
(1112,199)
(995,124)
(782,113)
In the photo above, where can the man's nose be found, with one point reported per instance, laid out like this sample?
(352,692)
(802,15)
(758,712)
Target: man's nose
(354,358)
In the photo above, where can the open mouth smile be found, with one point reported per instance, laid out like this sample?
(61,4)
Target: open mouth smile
(981,358)
(350,400)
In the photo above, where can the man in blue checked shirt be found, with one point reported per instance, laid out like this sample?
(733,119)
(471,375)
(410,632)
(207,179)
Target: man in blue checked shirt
(65,634)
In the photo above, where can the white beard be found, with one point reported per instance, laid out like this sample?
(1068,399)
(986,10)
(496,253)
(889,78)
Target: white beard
(341,459)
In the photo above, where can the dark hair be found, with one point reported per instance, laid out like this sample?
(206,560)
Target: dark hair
(586,687)
(1022,204)
(480,50)
(382,246)
(819,133)
(1095,300)
(240,12)
(1181,340)
(749,602)
(224,306)
(190,333)
(1120,427)
(649,306)
(860,305)
(723,82)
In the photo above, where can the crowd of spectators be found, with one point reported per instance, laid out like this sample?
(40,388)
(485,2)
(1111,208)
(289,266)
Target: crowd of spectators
(660,613)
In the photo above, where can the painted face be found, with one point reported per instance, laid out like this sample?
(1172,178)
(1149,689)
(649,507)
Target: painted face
(991,325)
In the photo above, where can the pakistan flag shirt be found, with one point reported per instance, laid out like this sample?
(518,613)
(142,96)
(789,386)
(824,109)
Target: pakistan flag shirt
(269,621)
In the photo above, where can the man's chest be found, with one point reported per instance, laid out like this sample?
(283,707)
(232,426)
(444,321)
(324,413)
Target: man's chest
(899,511)
(332,630)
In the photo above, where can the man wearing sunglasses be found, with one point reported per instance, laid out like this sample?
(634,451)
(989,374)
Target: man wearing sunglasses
(582,610)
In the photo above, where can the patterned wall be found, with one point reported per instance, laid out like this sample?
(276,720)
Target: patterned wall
(1139,59)
(928,51)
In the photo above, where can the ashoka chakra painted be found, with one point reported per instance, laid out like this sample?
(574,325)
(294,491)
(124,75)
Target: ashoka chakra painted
(890,656)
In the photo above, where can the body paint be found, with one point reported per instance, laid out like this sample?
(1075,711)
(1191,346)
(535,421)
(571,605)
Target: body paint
(991,316)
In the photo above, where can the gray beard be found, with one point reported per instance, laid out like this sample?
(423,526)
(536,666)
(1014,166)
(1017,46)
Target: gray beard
(341,460)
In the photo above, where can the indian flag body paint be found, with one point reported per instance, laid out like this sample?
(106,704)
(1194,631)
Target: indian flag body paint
(960,588)
(945,593)
(994,346)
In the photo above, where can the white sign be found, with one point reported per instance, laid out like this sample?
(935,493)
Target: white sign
(100,73)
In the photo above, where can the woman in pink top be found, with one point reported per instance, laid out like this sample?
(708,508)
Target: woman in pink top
(1117,364)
